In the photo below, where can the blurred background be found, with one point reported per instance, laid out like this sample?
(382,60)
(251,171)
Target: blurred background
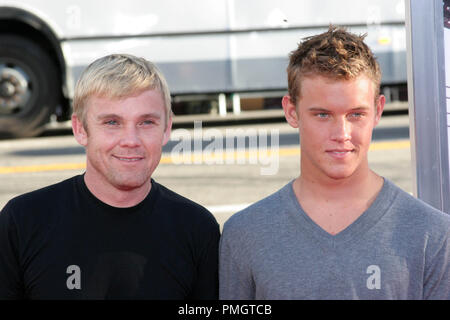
(225,62)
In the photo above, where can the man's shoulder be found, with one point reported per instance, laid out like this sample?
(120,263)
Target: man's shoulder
(182,207)
(39,206)
(418,216)
(416,208)
(44,196)
(259,214)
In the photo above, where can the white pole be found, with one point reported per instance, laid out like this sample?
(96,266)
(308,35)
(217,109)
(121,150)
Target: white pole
(236,104)
(222,105)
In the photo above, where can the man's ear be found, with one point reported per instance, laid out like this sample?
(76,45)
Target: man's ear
(290,111)
(379,108)
(79,131)
(167,130)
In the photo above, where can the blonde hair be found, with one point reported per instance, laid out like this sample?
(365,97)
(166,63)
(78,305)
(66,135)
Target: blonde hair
(336,54)
(118,76)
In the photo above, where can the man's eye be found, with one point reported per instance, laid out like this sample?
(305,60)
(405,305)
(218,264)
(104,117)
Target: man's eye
(111,122)
(322,115)
(356,115)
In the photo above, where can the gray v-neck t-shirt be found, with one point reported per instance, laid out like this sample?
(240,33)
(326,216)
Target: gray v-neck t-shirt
(399,248)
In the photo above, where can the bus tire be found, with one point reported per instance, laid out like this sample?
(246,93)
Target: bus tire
(29,87)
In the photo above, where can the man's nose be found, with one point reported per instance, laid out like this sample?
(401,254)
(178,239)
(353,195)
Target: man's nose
(130,137)
(341,130)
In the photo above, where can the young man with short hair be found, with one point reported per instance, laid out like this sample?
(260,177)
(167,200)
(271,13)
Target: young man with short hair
(339,230)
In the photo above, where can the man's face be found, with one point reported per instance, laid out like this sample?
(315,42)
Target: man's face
(124,139)
(335,120)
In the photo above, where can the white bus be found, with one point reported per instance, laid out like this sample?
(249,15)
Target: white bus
(206,48)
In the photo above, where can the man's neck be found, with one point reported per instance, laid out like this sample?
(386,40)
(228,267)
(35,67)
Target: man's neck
(358,185)
(114,196)
(335,204)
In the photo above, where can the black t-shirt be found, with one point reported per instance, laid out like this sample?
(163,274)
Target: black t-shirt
(61,242)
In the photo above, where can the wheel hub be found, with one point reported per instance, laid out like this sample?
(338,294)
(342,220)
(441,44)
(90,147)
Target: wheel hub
(13,89)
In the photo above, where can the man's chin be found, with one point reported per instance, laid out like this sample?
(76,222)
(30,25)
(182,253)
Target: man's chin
(130,184)
(340,175)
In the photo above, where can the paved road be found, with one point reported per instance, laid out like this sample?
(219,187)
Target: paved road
(224,183)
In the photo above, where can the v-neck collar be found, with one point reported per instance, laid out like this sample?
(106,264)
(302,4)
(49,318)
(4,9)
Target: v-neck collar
(361,225)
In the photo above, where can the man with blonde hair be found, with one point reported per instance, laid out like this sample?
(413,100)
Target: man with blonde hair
(339,230)
(112,232)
